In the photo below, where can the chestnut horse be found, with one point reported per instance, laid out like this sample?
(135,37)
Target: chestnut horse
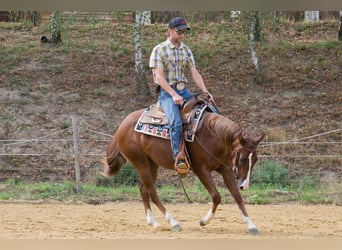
(220,145)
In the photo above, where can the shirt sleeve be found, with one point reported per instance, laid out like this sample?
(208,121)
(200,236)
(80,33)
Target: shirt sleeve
(155,58)
(191,59)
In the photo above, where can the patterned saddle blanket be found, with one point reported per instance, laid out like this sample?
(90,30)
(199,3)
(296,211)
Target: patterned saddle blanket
(154,122)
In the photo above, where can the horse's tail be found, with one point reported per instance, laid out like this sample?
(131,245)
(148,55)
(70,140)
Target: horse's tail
(114,159)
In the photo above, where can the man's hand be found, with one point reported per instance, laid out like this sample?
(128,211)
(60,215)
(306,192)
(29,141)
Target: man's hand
(178,99)
(210,97)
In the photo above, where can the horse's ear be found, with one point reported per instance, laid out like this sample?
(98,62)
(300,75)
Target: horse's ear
(259,139)
(243,137)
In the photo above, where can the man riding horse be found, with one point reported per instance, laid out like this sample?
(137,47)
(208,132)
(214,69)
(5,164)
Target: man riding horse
(169,61)
(220,145)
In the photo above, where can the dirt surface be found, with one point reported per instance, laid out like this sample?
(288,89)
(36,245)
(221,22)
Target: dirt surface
(126,220)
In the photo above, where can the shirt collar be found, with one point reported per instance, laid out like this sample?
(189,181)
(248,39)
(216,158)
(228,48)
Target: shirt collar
(172,46)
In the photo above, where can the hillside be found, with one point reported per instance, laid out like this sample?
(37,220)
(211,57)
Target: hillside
(91,75)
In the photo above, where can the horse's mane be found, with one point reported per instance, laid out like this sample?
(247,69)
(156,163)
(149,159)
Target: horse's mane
(227,131)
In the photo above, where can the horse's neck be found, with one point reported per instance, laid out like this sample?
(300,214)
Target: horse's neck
(224,131)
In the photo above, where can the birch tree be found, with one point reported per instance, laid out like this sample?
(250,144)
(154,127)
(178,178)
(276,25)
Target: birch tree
(311,16)
(340,28)
(141,18)
(255,35)
(55,27)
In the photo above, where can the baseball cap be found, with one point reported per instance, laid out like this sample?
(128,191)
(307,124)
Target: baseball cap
(178,23)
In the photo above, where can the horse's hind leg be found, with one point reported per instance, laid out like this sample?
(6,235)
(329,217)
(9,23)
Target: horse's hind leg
(146,188)
(145,195)
(229,180)
(175,226)
(148,174)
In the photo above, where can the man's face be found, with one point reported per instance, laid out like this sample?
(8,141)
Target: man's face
(177,36)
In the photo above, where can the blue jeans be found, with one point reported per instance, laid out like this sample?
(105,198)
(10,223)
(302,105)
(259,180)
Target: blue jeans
(172,112)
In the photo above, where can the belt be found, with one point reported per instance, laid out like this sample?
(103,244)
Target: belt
(179,85)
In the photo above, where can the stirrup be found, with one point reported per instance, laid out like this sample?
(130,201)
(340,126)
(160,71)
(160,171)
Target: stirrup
(182,167)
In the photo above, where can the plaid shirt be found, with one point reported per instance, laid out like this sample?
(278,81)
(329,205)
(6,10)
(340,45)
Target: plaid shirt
(172,60)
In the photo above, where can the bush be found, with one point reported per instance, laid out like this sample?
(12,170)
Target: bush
(270,173)
(126,176)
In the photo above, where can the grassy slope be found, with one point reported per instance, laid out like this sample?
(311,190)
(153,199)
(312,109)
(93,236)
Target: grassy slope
(91,75)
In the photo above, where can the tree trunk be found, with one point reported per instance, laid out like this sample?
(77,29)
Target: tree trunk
(35,17)
(257,27)
(55,27)
(311,16)
(254,30)
(340,29)
(141,18)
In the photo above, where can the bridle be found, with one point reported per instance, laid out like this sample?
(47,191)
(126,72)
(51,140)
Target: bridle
(250,156)
(244,184)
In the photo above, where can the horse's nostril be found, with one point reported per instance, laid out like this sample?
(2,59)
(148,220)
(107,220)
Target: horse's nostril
(241,187)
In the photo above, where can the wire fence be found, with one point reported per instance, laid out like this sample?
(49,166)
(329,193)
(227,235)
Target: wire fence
(54,157)
(316,156)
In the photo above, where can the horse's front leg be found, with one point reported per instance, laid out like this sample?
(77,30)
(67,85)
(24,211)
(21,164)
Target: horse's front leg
(252,229)
(207,218)
(229,180)
(209,184)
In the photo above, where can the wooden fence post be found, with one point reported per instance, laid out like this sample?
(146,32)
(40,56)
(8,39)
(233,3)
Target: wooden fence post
(76,154)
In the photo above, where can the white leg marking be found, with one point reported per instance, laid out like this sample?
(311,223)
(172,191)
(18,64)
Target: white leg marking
(170,219)
(252,229)
(175,226)
(207,218)
(150,219)
(249,222)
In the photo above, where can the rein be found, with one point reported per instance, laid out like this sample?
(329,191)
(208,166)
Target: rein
(186,194)
(218,160)
(212,155)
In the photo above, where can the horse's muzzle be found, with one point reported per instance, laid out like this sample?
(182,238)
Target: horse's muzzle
(243,184)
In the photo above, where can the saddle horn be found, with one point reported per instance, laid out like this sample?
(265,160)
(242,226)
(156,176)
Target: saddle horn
(189,105)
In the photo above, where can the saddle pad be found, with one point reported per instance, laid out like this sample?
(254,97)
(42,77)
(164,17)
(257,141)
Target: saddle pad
(163,131)
(157,130)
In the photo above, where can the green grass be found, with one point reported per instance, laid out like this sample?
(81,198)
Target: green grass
(310,193)
(270,185)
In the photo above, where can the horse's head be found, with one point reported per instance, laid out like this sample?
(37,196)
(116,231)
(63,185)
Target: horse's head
(245,159)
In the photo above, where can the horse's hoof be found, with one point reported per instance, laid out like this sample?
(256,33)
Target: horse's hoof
(153,224)
(253,231)
(176,228)
(156,225)
(202,223)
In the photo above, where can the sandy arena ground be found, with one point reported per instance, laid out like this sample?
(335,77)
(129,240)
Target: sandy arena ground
(126,220)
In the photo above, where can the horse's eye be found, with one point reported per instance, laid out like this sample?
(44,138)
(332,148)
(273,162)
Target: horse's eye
(242,160)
